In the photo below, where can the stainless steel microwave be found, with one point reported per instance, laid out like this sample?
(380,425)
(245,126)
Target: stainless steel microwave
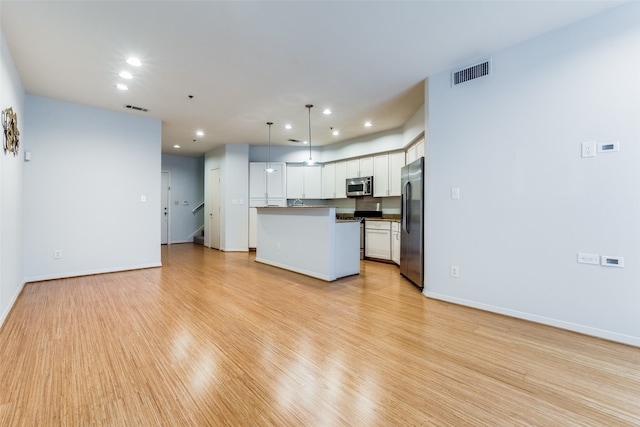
(362,186)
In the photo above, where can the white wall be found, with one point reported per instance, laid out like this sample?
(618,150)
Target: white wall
(528,201)
(11,188)
(187,185)
(233,161)
(83,190)
(380,142)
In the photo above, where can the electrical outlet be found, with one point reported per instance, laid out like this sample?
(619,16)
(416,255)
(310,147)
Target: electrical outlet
(455,271)
(589,149)
(57,254)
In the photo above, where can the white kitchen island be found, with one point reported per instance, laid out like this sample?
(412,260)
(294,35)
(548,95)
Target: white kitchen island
(308,240)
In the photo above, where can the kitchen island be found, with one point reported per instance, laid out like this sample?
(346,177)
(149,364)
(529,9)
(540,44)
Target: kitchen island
(308,240)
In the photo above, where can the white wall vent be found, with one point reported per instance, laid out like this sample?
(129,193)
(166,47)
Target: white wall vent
(469,73)
(133,107)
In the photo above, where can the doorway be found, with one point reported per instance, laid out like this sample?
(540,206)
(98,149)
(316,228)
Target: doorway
(165,185)
(214,209)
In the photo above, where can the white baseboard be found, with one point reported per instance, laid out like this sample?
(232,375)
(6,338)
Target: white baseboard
(90,272)
(6,312)
(574,327)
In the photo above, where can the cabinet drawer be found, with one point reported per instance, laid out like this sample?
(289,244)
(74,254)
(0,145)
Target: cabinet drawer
(378,225)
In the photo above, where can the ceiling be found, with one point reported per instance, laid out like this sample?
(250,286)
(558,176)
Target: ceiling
(249,62)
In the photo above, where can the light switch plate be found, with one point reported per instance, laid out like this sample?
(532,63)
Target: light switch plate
(455,193)
(588,258)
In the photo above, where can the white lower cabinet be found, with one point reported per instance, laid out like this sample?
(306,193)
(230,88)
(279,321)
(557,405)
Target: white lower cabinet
(377,236)
(395,242)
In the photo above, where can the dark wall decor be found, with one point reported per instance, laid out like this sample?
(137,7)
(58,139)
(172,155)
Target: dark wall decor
(11,133)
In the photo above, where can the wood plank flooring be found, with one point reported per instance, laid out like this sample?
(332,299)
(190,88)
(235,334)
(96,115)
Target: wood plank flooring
(216,339)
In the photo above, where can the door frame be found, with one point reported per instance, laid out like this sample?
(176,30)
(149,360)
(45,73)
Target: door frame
(168,206)
(211,205)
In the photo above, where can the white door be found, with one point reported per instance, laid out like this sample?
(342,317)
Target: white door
(214,209)
(164,208)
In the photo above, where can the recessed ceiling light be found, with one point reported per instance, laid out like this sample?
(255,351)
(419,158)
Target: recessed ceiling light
(121,86)
(134,61)
(305,142)
(326,111)
(126,75)
(335,132)
(176,146)
(200,133)
(287,126)
(367,124)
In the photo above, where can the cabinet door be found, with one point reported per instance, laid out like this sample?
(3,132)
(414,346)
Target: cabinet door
(312,182)
(341,180)
(353,168)
(253,227)
(329,181)
(366,166)
(295,183)
(257,180)
(396,162)
(411,154)
(276,181)
(381,175)
(377,244)
(420,149)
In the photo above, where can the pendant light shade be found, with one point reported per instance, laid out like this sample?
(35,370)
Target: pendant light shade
(310,162)
(269,169)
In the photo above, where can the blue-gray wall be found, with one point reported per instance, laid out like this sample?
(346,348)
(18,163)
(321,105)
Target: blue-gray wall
(528,201)
(187,185)
(84,186)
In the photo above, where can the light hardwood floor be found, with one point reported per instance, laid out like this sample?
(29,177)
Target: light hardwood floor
(215,338)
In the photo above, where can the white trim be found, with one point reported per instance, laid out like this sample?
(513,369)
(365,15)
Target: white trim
(91,272)
(574,327)
(297,270)
(11,304)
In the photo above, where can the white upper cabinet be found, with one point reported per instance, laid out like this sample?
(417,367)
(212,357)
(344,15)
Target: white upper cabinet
(353,168)
(341,180)
(381,175)
(386,174)
(360,167)
(366,166)
(313,182)
(263,185)
(415,151)
(304,182)
(329,181)
(396,162)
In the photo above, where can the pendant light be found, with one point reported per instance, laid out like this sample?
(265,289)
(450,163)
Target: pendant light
(310,162)
(269,169)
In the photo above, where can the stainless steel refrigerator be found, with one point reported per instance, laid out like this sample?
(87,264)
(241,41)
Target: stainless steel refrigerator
(412,233)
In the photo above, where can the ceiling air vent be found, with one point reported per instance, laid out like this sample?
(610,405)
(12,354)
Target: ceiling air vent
(133,107)
(470,73)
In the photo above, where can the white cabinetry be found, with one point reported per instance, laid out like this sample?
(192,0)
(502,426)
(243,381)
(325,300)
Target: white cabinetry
(263,185)
(304,182)
(341,179)
(329,181)
(264,189)
(360,167)
(334,176)
(415,151)
(395,242)
(377,236)
(387,174)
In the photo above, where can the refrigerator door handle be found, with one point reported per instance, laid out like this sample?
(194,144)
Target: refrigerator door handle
(406,213)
